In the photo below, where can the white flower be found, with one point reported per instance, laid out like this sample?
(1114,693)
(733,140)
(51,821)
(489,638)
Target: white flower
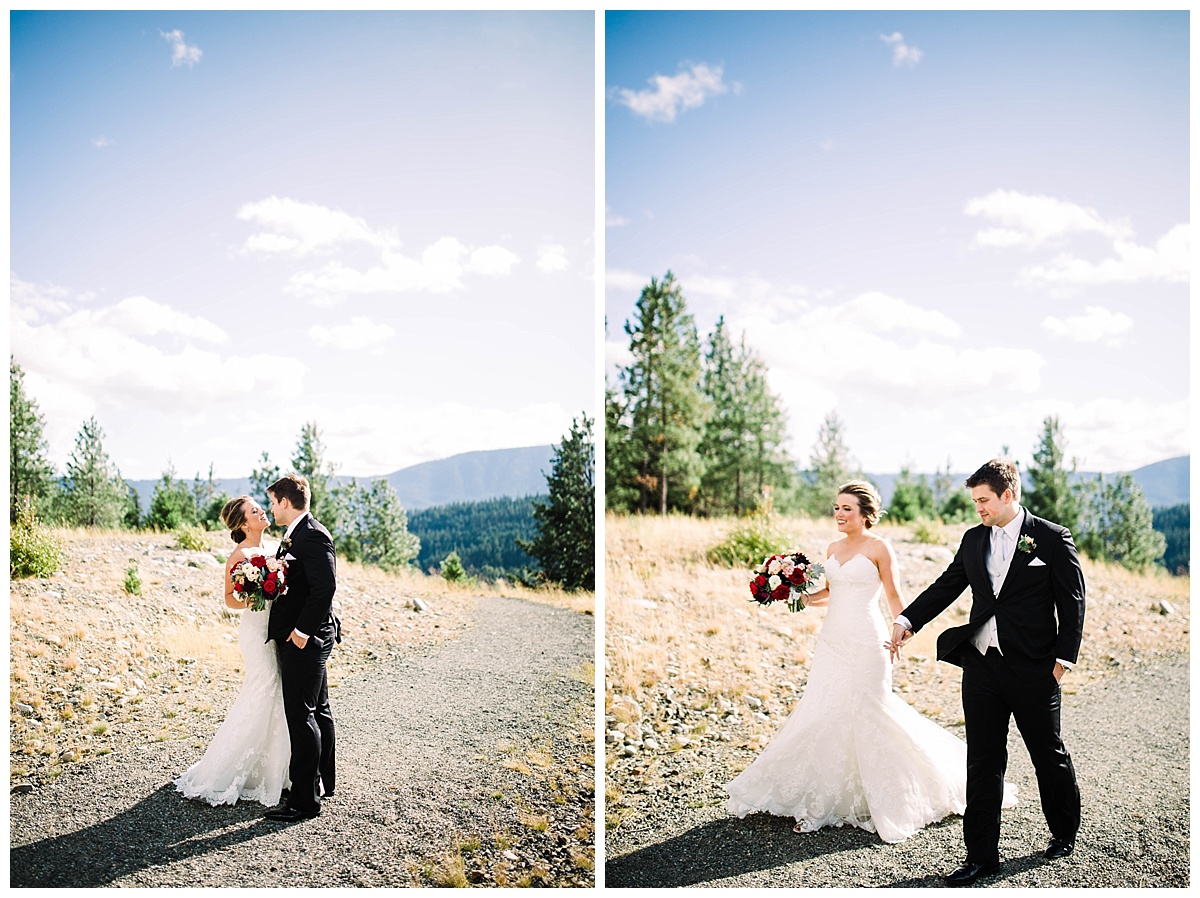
(252,574)
(774,566)
(774,582)
(787,567)
(272,564)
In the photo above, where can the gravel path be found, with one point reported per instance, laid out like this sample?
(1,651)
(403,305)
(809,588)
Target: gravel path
(471,758)
(1128,735)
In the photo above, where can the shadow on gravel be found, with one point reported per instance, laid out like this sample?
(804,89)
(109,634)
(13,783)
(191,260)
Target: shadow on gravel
(729,847)
(161,828)
(1008,867)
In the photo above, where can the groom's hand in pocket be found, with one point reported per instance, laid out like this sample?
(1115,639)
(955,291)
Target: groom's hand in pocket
(1059,670)
(297,640)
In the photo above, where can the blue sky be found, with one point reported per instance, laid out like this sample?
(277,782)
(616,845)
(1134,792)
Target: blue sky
(945,226)
(226,224)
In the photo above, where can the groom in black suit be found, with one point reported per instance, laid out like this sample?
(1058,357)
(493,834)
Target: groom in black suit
(304,628)
(1026,624)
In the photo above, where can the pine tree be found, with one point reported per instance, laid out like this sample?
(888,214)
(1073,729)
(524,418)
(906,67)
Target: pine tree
(829,466)
(172,506)
(1050,494)
(620,472)
(387,541)
(94,495)
(30,476)
(662,387)
(310,461)
(741,448)
(1118,525)
(911,499)
(208,500)
(261,478)
(950,499)
(565,546)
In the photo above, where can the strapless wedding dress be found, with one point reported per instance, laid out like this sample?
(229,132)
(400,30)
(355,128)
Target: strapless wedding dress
(249,755)
(852,751)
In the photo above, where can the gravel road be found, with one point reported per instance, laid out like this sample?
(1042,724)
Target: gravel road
(474,755)
(1128,735)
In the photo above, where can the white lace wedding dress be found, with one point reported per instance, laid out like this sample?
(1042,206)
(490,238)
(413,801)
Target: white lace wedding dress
(852,751)
(249,755)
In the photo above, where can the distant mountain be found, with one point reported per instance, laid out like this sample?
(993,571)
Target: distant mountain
(467,477)
(1165,483)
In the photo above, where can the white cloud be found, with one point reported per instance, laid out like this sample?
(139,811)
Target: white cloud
(623,279)
(101,142)
(494,261)
(1029,221)
(1094,325)
(672,94)
(613,220)
(552,257)
(359,333)
(1169,260)
(902,53)
(181,52)
(297,228)
(134,354)
(1115,434)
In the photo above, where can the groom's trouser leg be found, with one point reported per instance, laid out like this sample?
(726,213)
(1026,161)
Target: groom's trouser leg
(986,712)
(1038,719)
(324,718)
(303,672)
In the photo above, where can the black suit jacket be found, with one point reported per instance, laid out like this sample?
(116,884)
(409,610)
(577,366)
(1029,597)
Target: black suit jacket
(1033,595)
(307,605)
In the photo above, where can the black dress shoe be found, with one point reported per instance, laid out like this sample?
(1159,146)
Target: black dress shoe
(1058,848)
(969,872)
(291,815)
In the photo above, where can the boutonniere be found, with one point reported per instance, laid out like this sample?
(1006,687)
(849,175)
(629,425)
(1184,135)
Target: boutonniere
(285,545)
(1024,544)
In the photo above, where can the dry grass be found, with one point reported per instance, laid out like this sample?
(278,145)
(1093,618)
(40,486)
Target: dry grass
(674,620)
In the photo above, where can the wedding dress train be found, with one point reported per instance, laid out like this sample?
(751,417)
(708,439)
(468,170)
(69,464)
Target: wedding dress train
(852,751)
(249,755)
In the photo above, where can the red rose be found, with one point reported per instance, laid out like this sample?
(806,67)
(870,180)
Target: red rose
(761,580)
(781,592)
(258,561)
(798,577)
(754,588)
(268,585)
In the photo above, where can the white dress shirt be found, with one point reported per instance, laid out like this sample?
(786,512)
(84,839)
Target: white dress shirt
(1004,546)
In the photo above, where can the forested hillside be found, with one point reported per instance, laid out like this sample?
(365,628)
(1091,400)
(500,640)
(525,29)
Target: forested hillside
(484,534)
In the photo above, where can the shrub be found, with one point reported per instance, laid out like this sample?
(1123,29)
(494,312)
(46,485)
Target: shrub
(928,532)
(750,542)
(133,582)
(32,551)
(453,571)
(191,538)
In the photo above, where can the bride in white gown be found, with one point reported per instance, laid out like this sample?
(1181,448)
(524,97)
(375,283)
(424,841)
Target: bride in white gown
(852,751)
(249,755)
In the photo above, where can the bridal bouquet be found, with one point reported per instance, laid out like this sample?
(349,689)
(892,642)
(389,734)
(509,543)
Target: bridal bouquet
(259,579)
(788,577)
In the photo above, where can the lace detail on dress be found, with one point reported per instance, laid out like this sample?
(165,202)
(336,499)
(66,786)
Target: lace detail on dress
(852,751)
(249,755)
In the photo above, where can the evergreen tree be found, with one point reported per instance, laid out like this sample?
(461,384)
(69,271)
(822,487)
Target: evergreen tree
(1050,494)
(261,478)
(132,518)
(30,476)
(565,545)
(310,461)
(743,436)
(371,525)
(951,500)
(1118,525)
(621,492)
(172,506)
(665,405)
(1174,523)
(209,501)
(94,495)
(829,467)
(911,499)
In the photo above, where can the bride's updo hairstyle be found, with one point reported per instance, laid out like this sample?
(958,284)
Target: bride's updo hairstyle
(869,503)
(234,517)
